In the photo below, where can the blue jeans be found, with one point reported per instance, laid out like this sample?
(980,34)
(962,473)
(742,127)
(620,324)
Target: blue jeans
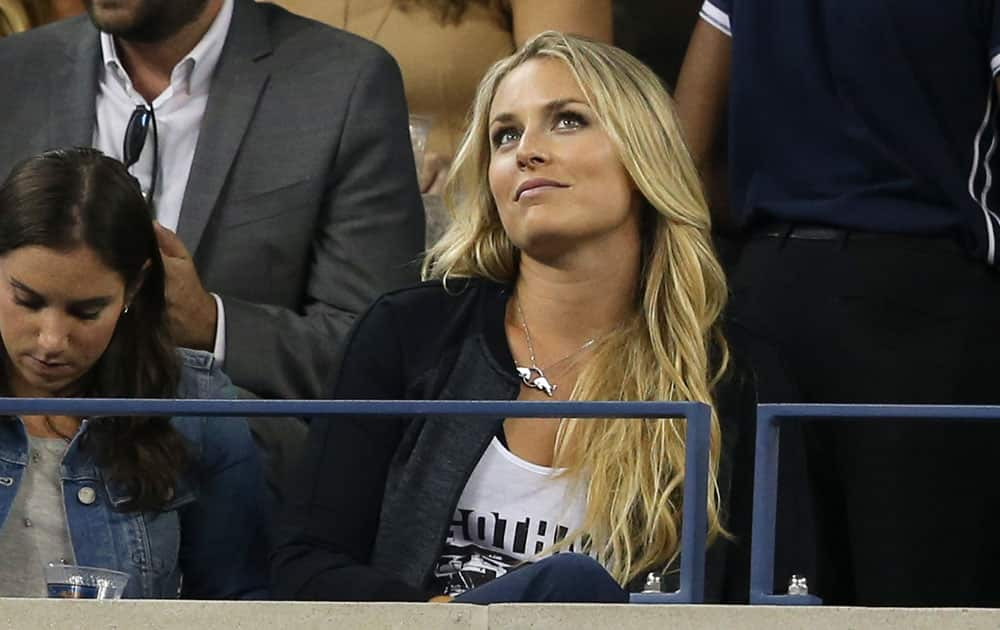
(564,578)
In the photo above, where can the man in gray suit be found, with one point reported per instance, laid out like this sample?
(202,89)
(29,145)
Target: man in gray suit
(274,147)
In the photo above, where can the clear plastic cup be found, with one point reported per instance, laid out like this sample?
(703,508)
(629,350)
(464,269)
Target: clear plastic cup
(69,581)
(420,128)
(436,218)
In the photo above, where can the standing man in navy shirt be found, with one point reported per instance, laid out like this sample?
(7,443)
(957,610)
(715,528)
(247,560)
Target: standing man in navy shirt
(863,153)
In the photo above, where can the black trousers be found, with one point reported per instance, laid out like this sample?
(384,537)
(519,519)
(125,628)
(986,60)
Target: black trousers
(905,511)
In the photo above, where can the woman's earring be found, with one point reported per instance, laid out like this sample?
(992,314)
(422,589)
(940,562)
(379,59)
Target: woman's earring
(126,309)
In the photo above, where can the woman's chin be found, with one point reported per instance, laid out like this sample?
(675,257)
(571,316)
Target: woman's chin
(45,386)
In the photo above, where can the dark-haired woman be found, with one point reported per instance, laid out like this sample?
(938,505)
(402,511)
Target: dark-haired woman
(178,504)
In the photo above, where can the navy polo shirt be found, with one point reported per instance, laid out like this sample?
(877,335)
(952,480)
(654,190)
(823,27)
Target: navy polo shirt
(872,115)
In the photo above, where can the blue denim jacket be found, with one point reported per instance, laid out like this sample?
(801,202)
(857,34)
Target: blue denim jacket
(212,532)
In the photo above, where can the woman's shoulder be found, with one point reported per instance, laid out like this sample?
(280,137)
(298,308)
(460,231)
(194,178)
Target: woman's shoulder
(428,306)
(436,294)
(412,334)
(201,376)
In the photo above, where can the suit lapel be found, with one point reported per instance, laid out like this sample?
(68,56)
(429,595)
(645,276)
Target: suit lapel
(237,84)
(73,90)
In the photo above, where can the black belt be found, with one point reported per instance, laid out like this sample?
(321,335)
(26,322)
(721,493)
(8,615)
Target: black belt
(810,232)
(819,233)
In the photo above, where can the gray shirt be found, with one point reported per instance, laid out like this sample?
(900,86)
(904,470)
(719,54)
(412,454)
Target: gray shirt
(36,530)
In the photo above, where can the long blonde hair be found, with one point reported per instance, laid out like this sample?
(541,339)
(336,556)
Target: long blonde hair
(632,470)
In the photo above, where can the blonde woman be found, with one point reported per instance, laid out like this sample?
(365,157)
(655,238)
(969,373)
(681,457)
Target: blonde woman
(578,267)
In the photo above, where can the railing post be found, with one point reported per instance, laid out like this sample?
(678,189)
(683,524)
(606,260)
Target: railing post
(694,526)
(765,505)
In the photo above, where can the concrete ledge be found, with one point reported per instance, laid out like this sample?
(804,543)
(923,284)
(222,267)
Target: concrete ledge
(52,614)
(42,614)
(643,617)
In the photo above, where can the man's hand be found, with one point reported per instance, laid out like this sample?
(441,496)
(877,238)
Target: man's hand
(191,312)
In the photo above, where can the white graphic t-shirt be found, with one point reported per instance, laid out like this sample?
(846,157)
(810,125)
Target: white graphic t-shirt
(509,512)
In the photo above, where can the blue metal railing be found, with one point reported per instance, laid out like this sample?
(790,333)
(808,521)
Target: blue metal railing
(765,487)
(697,439)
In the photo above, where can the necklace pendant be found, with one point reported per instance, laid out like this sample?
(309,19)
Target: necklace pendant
(524,373)
(527,375)
(543,384)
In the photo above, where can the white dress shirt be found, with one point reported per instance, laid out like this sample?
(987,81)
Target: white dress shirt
(179,110)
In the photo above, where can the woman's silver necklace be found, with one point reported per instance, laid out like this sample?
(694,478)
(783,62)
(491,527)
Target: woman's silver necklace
(533,376)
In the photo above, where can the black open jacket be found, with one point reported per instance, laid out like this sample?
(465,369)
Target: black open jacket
(370,507)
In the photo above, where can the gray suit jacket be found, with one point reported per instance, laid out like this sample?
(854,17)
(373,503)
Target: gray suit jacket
(302,205)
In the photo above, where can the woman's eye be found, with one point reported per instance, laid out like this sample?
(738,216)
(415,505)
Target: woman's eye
(570,120)
(87,315)
(503,136)
(29,304)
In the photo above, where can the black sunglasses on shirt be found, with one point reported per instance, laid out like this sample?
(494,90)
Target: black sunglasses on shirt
(135,140)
